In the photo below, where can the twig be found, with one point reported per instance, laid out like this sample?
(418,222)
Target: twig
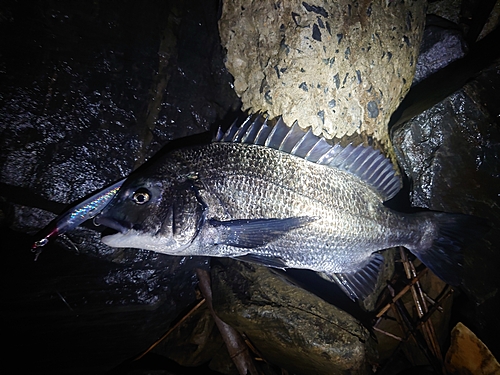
(421,307)
(387,333)
(400,310)
(400,294)
(432,302)
(447,291)
(157,342)
(238,350)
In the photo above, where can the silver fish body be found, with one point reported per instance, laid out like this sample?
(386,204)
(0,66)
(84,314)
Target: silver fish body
(282,205)
(346,222)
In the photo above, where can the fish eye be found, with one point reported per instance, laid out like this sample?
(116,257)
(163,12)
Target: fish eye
(141,196)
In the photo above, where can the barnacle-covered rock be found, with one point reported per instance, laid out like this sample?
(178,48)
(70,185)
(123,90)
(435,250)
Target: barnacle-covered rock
(342,67)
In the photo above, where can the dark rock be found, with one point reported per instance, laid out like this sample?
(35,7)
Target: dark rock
(451,155)
(80,314)
(293,329)
(87,92)
(442,43)
(94,91)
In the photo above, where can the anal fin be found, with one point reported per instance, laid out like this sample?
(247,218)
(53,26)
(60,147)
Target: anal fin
(360,284)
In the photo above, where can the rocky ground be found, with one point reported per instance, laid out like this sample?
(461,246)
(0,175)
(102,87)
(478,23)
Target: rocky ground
(88,92)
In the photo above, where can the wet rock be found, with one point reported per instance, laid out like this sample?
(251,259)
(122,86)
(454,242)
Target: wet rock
(452,140)
(468,354)
(442,43)
(290,328)
(339,67)
(450,153)
(428,146)
(72,102)
(94,89)
(448,9)
(493,19)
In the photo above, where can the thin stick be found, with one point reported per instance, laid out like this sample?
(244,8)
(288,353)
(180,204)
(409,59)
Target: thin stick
(401,293)
(400,310)
(238,350)
(427,327)
(157,342)
(447,291)
(399,320)
(428,323)
(388,334)
(432,302)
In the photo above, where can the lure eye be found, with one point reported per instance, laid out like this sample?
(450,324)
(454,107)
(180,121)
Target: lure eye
(141,196)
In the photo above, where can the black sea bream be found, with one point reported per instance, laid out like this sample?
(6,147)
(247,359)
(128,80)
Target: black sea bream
(282,197)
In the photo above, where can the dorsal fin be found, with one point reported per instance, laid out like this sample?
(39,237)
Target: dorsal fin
(368,164)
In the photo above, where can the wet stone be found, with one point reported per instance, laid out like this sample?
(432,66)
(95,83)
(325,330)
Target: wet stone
(371,63)
(95,89)
(302,334)
(70,109)
(442,43)
(451,154)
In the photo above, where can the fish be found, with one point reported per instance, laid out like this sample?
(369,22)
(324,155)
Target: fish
(282,197)
(77,214)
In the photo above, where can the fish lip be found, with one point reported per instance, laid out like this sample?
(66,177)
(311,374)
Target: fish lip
(116,224)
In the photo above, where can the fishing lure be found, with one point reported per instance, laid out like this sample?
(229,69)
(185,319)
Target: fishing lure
(78,214)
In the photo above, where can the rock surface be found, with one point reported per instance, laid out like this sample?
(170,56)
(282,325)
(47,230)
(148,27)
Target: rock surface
(92,82)
(469,355)
(81,88)
(293,329)
(451,154)
(341,67)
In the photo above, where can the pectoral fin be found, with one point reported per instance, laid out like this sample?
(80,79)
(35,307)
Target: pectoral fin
(263,260)
(254,233)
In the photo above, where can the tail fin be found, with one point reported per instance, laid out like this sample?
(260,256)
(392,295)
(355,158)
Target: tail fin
(444,257)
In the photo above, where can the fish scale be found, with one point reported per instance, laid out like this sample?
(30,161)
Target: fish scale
(282,197)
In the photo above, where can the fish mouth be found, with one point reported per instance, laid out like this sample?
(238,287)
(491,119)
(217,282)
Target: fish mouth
(119,225)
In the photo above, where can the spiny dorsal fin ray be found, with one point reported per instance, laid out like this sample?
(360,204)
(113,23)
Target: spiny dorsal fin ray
(368,164)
